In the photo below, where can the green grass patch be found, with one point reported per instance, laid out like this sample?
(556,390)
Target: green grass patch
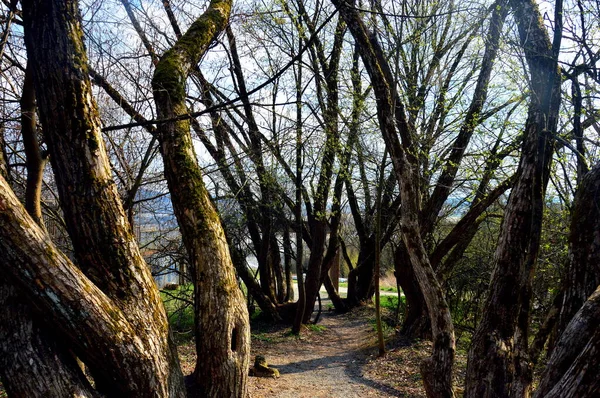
(262,337)
(316,328)
(391,302)
(180,310)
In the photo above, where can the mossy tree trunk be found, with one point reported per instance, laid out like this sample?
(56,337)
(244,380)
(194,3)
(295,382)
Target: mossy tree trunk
(25,339)
(221,322)
(111,314)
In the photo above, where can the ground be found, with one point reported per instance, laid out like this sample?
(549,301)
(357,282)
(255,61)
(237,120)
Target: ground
(336,358)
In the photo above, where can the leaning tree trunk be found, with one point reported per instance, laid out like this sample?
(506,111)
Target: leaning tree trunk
(498,364)
(572,368)
(437,370)
(572,371)
(221,322)
(24,337)
(583,271)
(129,353)
(416,324)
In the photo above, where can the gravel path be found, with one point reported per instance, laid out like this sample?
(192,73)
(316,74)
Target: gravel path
(327,363)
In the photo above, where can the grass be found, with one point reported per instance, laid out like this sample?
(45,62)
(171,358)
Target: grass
(391,302)
(389,306)
(180,310)
(316,328)
(262,337)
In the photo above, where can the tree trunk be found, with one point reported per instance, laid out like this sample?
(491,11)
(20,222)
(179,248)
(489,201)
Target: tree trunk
(24,338)
(34,160)
(360,280)
(572,371)
(498,364)
(254,289)
(221,322)
(34,363)
(583,271)
(3,157)
(312,284)
(416,324)
(127,354)
(437,370)
(139,360)
(287,259)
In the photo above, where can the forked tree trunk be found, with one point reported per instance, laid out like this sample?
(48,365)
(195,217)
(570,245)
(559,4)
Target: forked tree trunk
(221,321)
(498,363)
(126,353)
(124,339)
(437,370)
(24,338)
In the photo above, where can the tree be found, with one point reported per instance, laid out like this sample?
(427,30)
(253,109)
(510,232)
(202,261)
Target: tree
(498,363)
(221,324)
(436,370)
(568,372)
(115,292)
(23,336)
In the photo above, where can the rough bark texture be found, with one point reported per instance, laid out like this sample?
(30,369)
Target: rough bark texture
(96,329)
(498,364)
(572,370)
(129,352)
(437,370)
(33,363)
(221,322)
(583,271)
(416,322)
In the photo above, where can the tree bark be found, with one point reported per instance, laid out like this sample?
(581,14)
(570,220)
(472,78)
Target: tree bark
(100,333)
(34,362)
(583,271)
(572,371)
(437,370)
(498,364)
(416,322)
(139,360)
(24,338)
(221,322)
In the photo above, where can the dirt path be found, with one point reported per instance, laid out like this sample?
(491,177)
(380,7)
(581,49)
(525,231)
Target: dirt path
(337,361)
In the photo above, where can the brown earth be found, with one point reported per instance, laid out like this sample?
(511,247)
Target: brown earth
(336,358)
